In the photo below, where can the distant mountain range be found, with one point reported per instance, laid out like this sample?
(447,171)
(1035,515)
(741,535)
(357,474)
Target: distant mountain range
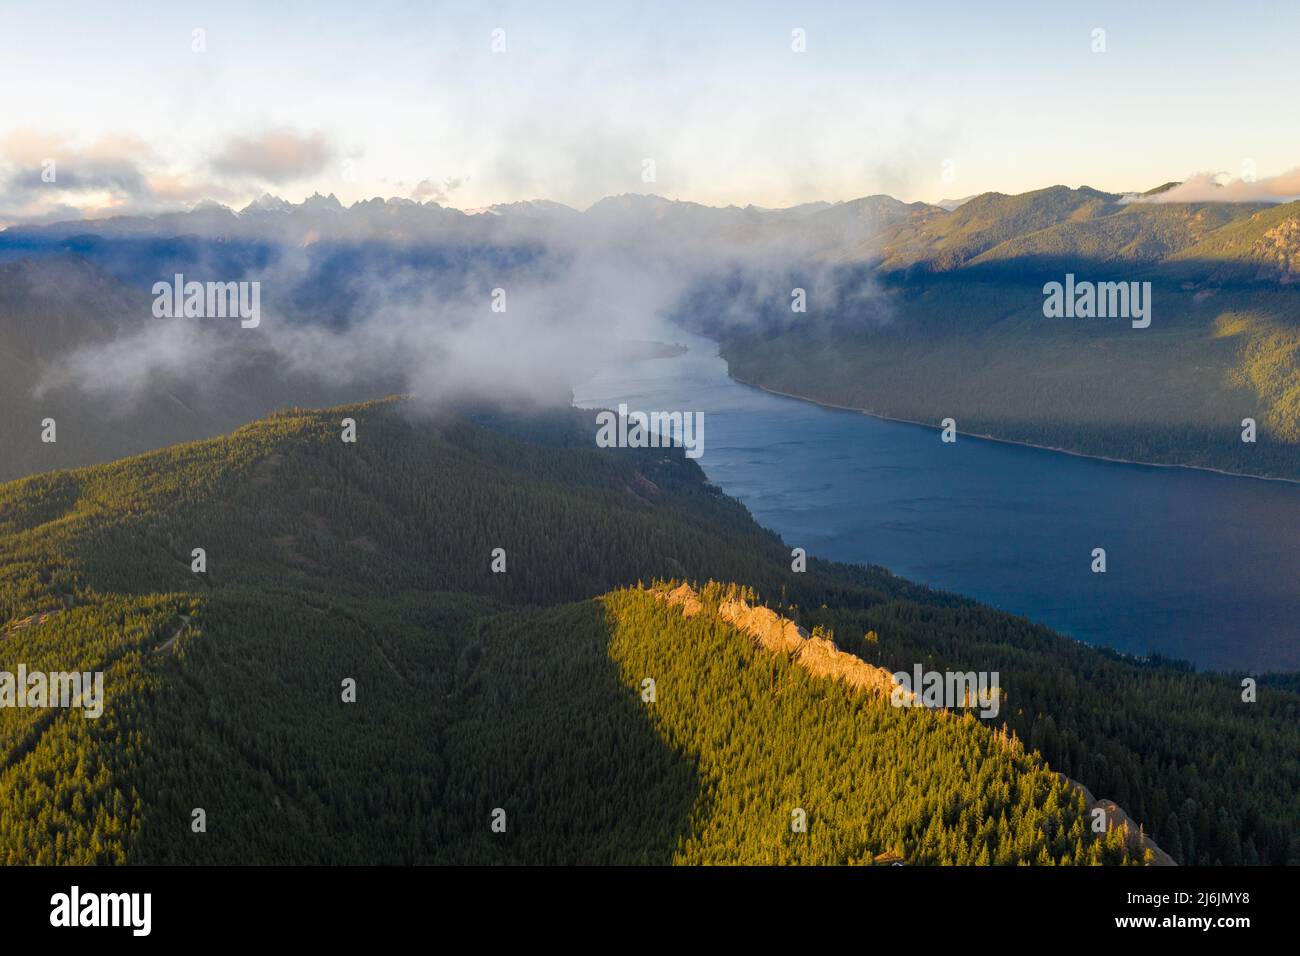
(1246,240)
(914,311)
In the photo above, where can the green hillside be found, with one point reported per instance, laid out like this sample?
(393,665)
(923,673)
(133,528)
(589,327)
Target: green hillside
(521,691)
(1079,227)
(981,352)
(1264,246)
(1136,233)
(942,316)
(948,240)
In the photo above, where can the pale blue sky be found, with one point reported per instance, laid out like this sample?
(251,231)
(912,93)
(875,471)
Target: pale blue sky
(385,96)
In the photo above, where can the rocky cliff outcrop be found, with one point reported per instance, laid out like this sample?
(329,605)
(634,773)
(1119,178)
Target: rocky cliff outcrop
(821,658)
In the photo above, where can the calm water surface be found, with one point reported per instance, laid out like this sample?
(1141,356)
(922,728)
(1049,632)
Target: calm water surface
(1199,566)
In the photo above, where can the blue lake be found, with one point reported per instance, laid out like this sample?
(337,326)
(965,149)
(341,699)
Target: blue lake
(1200,566)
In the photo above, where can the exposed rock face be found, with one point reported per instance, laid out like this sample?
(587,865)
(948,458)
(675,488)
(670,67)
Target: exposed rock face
(1282,245)
(821,658)
(816,655)
(777,634)
(1116,817)
(684,597)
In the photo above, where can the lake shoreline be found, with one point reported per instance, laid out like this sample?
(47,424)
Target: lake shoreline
(998,527)
(1008,441)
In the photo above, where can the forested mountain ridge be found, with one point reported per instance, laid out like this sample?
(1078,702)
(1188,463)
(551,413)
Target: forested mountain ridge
(478,691)
(1083,226)
(816,654)
(943,316)
(1177,393)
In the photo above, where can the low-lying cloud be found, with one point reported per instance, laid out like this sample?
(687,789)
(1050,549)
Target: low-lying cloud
(573,294)
(48,176)
(429,190)
(1217,187)
(275,156)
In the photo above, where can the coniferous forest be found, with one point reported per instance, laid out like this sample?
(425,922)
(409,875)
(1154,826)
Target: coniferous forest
(432,646)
